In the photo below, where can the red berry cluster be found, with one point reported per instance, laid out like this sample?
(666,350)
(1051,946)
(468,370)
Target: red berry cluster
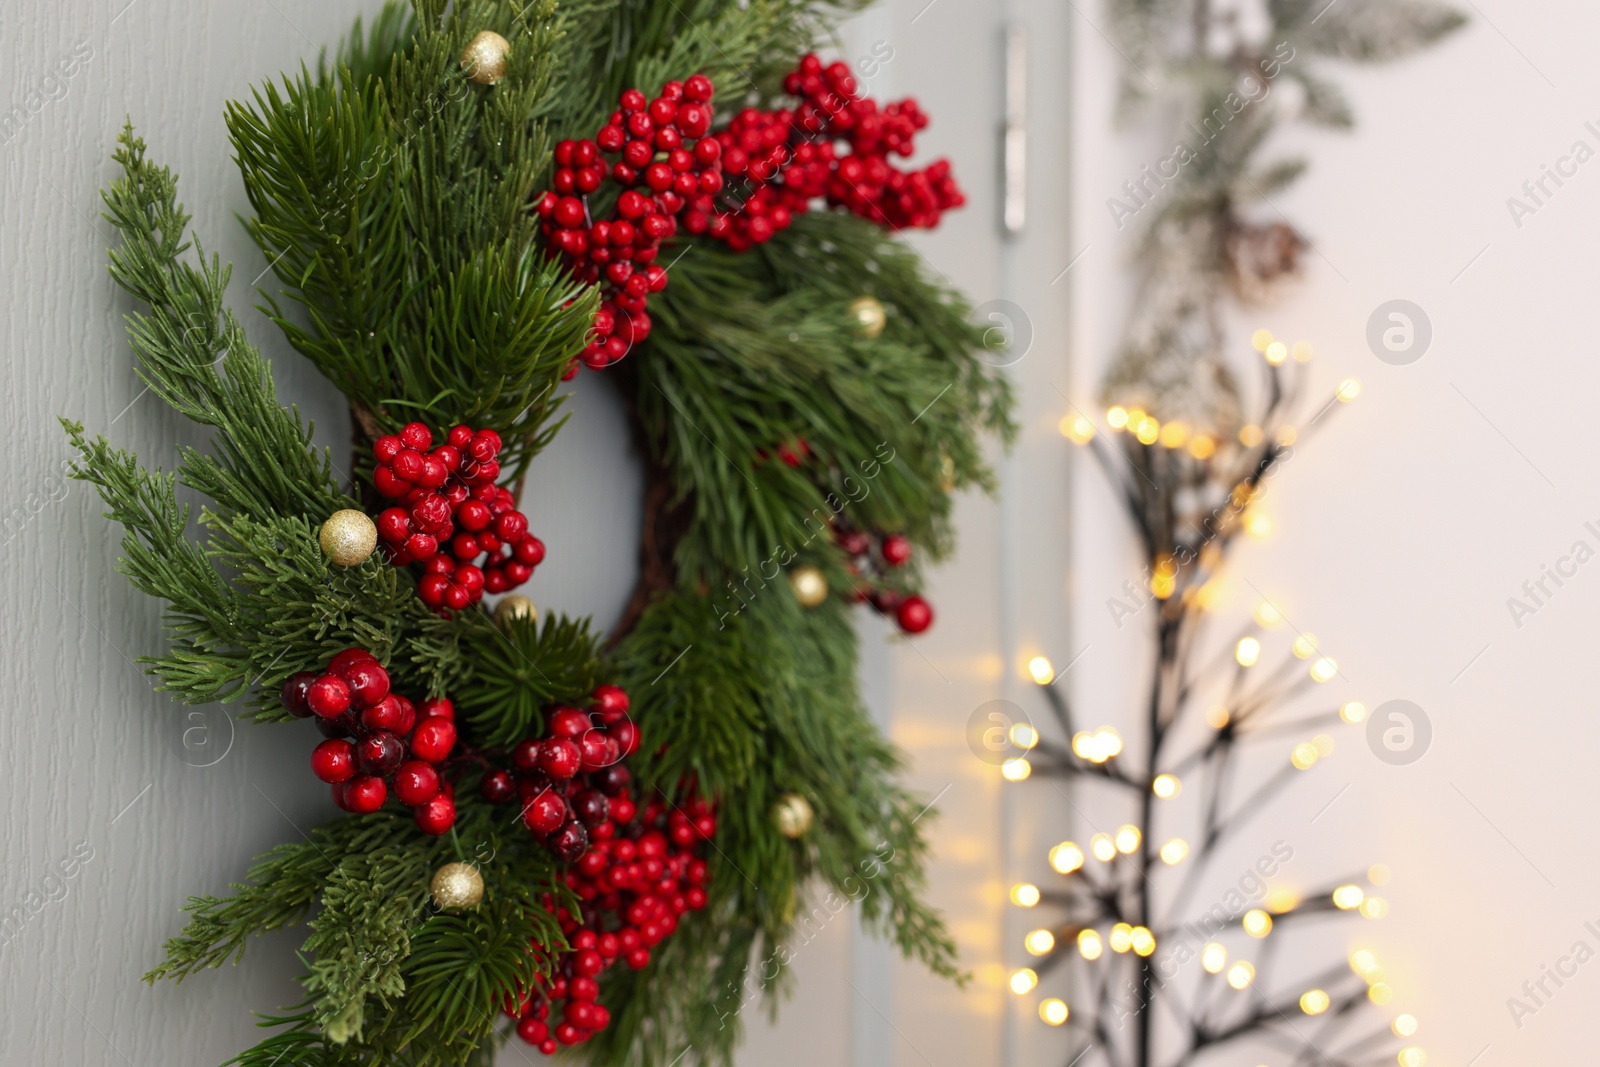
(634,883)
(564,778)
(833,145)
(375,739)
(912,613)
(452,485)
(665,161)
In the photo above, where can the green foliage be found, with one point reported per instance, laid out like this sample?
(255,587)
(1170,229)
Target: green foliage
(520,670)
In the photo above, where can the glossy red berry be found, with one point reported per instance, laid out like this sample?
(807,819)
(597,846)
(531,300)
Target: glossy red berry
(379,753)
(369,682)
(560,758)
(293,695)
(896,549)
(436,815)
(334,761)
(415,782)
(498,787)
(365,794)
(442,707)
(544,812)
(433,739)
(328,696)
(914,615)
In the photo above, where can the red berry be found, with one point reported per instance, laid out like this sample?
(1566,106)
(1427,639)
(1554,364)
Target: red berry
(433,739)
(498,787)
(544,812)
(415,782)
(697,87)
(436,815)
(417,436)
(334,760)
(638,958)
(380,752)
(525,756)
(387,714)
(294,693)
(365,794)
(438,706)
(386,448)
(569,722)
(914,615)
(560,758)
(329,696)
(369,682)
(532,1030)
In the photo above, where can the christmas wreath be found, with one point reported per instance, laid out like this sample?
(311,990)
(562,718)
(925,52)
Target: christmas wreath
(591,836)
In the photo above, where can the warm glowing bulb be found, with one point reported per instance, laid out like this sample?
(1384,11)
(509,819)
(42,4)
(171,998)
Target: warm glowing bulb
(1202,446)
(1097,747)
(1174,434)
(1374,907)
(1324,745)
(1276,353)
(1241,974)
(1405,1025)
(1363,962)
(1250,435)
(1305,646)
(1104,849)
(1314,1002)
(1147,431)
(1024,894)
(1412,1057)
(1324,669)
(1257,923)
(1174,852)
(1089,944)
(1302,351)
(1039,942)
(1024,736)
(1121,938)
(1349,389)
(1217,717)
(1076,429)
(1214,957)
(1287,436)
(1258,525)
(1127,839)
(1041,670)
(1117,418)
(1380,993)
(1015,770)
(1166,786)
(1348,896)
(1066,857)
(1378,874)
(1023,980)
(1144,942)
(1054,1011)
(1247,651)
(1267,614)
(1281,900)
(1163,585)
(1260,340)
(1304,756)
(1353,712)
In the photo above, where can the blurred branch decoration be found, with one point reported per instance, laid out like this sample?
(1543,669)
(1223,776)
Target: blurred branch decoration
(1155,974)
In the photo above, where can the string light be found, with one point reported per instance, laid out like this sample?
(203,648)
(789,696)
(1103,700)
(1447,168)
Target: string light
(1147,431)
(1023,980)
(1039,942)
(1363,962)
(1024,894)
(1353,712)
(1104,849)
(1144,942)
(1023,735)
(1241,974)
(1267,614)
(1097,747)
(1287,436)
(1090,946)
(1405,1025)
(1077,429)
(1174,852)
(1040,669)
(1323,670)
(1324,745)
(1276,353)
(1374,907)
(1378,874)
(1117,418)
(1257,923)
(1016,770)
(1258,525)
(1202,446)
(1054,1011)
(1121,938)
(1304,756)
(1348,896)
(1281,900)
(1412,1057)
(1250,435)
(1214,957)
(1217,717)
(1380,993)
(1349,389)
(1305,646)
(1260,340)
(1128,839)
(1247,651)
(1314,1002)
(1066,857)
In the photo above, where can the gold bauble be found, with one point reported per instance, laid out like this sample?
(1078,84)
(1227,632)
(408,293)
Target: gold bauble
(515,606)
(947,472)
(484,58)
(869,315)
(348,537)
(456,885)
(810,587)
(792,815)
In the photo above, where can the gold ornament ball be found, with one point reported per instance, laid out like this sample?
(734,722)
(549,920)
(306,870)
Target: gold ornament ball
(792,815)
(348,537)
(869,315)
(809,585)
(947,472)
(484,58)
(515,606)
(456,885)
